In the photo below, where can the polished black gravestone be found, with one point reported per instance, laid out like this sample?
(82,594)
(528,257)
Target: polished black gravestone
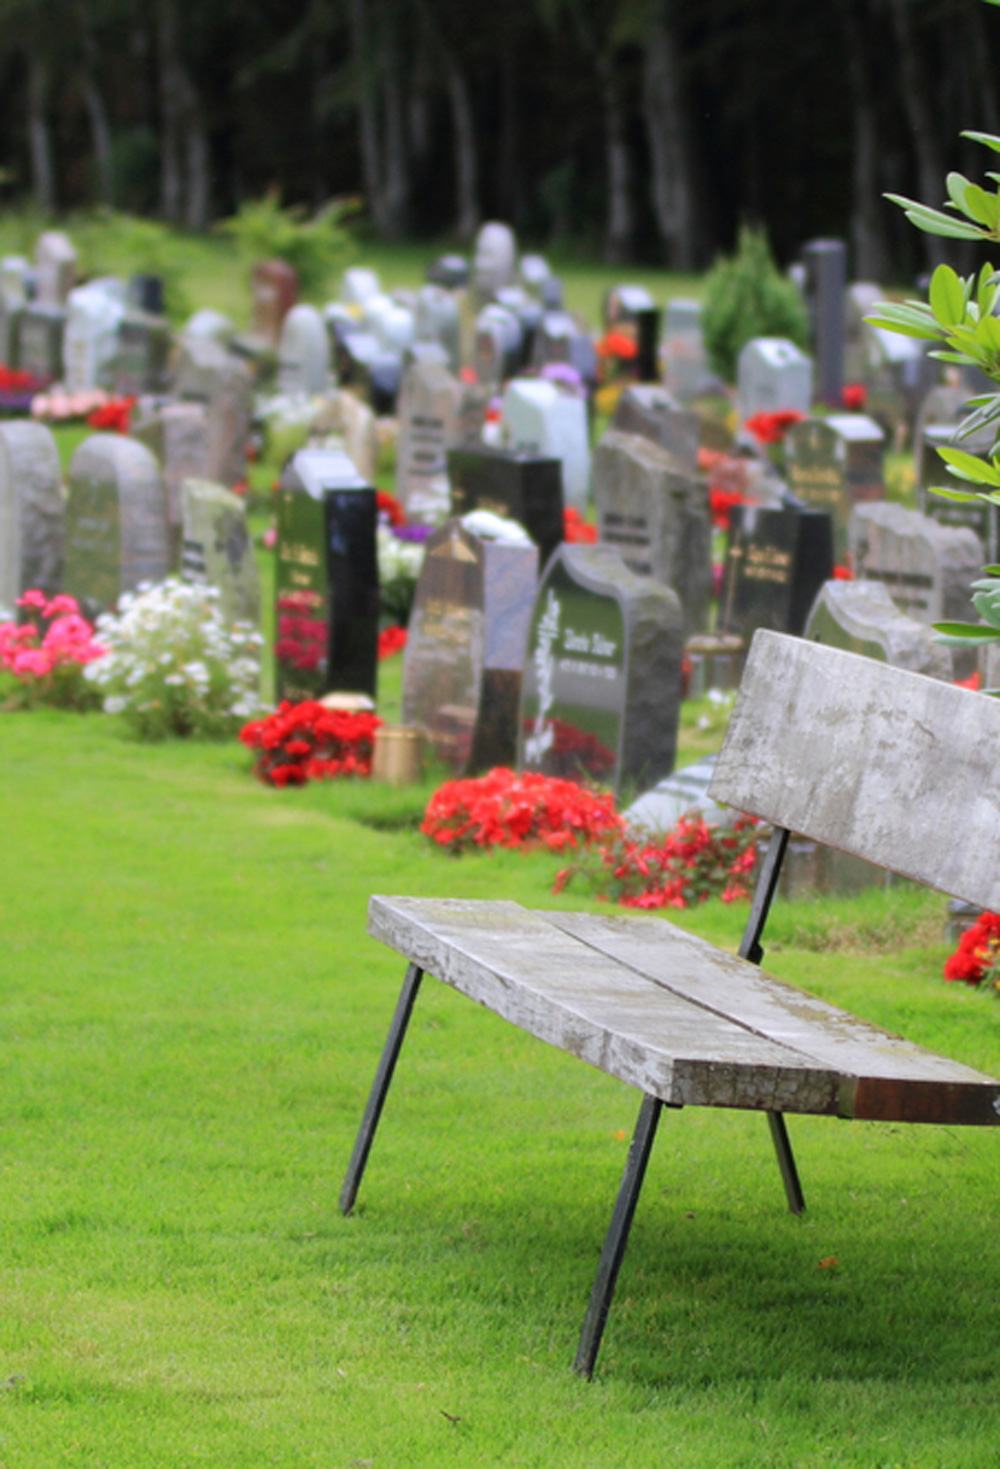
(600,694)
(512,482)
(465,647)
(776,561)
(326,592)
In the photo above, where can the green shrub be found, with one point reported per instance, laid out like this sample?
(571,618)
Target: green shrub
(315,247)
(747,296)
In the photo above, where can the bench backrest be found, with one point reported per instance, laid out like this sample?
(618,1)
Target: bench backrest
(891,766)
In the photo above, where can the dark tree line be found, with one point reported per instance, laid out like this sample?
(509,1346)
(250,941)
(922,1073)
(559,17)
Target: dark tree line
(646,128)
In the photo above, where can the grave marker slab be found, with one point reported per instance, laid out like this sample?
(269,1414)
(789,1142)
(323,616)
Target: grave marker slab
(304,353)
(684,793)
(274,290)
(342,413)
(601,686)
(652,412)
(772,375)
(31,511)
(177,433)
(55,268)
(560,338)
(429,406)
(776,561)
(217,549)
(465,647)
(142,355)
(685,364)
(116,523)
(524,487)
(826,281)
(834,464)
(861,617)
(494,260)
(40,331)
(657,516)
(90,340)
(436,320)
(544,419)
(327,604)
(926,568)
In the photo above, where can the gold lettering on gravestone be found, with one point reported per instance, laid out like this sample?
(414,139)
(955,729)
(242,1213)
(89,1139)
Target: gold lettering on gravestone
(296,554)
(767,563)
(446,622)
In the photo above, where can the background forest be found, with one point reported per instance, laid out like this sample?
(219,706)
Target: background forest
(645,130)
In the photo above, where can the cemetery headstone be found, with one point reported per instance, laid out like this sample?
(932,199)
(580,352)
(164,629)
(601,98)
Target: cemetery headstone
(450,271)
(685,364)
(494,260)
(13,297)
(982,518)
(177,433)
(826,280)
(55,267)
(465,647)
(143,352)
(623,303)
(684,793)
(40,330)
(217,549)
(544,419)
(560,338)
(521,486)
(860,300)
(777,558)
(429,405)
(499,341)
(274,290)
(304,353)
(436,320)
(207,324)
(357,284)
(600,693)
(90,342)
(534,271)
(116,524)
(834,464)
(31,511)
(229,415)
(898,374)
(342,413)
(656,515)
(772,375)
(925,567)
(145,293)
(861,617)
(652,412)
(327,603)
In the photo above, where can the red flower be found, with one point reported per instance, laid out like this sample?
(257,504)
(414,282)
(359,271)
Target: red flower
(389,506)
(504,809)
(113,415)
(973,681)
(854,396)
(576,529)
(390,640)
(307,741)
(843,573)
(771,428)
(617,343)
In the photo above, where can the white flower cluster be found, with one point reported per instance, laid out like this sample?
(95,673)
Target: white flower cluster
(173,666)
(399,564)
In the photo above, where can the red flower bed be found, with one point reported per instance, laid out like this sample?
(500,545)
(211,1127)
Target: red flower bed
(389,506)
(504,809)
(391,639)
(771,428)
(692,862)
(576,529)
(306,741)
(113,415)
(977,959)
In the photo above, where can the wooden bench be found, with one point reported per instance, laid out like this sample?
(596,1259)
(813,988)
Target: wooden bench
(890,766)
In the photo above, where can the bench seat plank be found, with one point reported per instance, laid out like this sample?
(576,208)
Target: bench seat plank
(884,1076)
(563,991)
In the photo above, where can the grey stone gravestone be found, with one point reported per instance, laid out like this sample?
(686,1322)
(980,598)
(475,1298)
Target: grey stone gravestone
(465,647)
(498,345)
(545,419)
(834,464)
(772,375)
(657,515)
(776,561)
(925,567)
(898,375)
(207,324)
(654,413)
(116,523)
(177,433)
(141,360)
(861,617)
(623,303)
(945,404)
(90,341)
(40,331)
(685,364)
(13,297)
(450,271)
(494,260)
(31,511)
(55,267)
(826,280)
(560,338)
(206,373)
(343,415)
(326,590)
(436,320)
(217,550)
(601,687)
(524,487)
(429,406)
(684,793)
(303,353)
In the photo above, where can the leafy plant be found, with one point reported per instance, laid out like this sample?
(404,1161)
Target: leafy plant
(42,659)
(962,315)
(680,868)
(108,240)
(263,230)
(747,296)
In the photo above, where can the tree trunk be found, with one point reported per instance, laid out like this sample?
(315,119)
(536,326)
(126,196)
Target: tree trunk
(930,174)
(871,260)
(509,175)
(171,88)
(666,120)
(198,163)
(93,101)
(467,213)
(43,175)
(618,227)
(396,171)
(368,122)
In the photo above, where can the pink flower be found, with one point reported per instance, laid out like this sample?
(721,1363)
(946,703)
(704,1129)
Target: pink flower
(32,662)
(33,598)
(60,604)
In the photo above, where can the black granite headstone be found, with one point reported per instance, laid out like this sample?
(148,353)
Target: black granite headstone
(600,693)
(465,647)
(776,562)
(327,604)
(826,282)
(511,482)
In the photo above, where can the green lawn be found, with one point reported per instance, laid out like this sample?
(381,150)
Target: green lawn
(191,1017)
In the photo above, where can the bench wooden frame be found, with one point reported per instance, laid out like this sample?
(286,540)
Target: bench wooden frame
(890,766)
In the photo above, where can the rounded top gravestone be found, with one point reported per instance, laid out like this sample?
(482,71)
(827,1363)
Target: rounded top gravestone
(494,260)
(211,324)
(304,353)
(31,511)
(116,522)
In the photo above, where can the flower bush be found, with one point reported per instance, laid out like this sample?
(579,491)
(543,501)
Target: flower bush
(505,809)
(112,415)
(576,529)
(391,640)
(172,666)
(976,961)
(46,655)
(307,741)
(399,561)
(771,428)
(686,865)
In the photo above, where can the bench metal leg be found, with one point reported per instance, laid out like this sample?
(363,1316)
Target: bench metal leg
(786,1162)
(617,1236)
(380,1087)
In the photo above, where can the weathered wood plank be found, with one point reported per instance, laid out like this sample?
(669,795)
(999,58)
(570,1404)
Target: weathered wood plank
(884,1075)
(563,991)
(891,766)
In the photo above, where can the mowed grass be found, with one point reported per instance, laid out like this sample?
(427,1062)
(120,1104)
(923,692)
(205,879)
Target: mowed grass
(191,1017)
